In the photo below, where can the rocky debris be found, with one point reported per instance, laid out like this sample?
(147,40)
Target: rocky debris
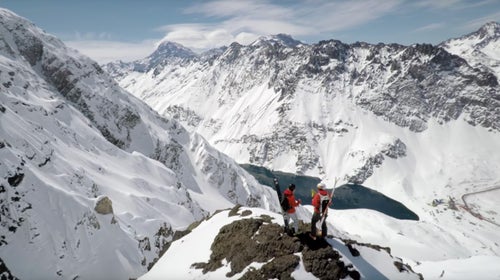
(246,241)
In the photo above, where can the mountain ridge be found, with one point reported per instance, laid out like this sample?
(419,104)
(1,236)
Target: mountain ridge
(74,143)
(407,95)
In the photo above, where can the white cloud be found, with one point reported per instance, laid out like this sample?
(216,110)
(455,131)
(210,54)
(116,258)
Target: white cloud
(230,8)
(104,51)
(245,21)
(432,26)
(452,4)
(330,16)
(197,36)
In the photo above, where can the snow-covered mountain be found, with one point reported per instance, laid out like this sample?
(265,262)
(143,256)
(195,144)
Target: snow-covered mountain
(93,182)
(417,123)
(479,48)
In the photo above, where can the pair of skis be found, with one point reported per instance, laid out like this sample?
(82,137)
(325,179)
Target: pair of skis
(319,230)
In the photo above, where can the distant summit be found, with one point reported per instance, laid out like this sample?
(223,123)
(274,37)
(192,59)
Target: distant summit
(479,48)
(172,49)
(281,39)
(489,30)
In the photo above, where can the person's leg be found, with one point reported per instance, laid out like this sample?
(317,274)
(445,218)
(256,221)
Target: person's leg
(286,218)
(295,220)
(315,219)
(324,229)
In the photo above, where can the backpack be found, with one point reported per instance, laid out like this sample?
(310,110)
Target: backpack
(285,205)
(324,200)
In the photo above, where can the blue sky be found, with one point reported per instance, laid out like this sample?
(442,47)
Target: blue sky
(109,30)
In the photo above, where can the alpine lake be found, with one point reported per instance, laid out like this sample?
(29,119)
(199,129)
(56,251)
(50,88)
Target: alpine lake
(346,196)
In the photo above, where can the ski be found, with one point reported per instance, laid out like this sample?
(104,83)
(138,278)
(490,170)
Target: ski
(325,211)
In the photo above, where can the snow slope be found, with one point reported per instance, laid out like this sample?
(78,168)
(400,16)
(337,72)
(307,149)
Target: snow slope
(71,138)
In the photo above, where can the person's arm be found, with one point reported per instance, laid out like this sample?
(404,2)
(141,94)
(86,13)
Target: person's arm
(293,201)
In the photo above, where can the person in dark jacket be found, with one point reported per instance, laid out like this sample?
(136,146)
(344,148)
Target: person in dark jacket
(320,201)
(291,213)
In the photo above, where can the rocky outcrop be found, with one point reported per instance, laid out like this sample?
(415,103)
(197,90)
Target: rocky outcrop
(258,240)
(256,248)
(104,205)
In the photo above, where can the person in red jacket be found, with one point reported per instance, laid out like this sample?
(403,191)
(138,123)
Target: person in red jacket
(290,213)
(320,201)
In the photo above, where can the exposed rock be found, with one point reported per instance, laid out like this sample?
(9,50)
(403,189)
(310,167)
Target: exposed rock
(163,238)
(16,179)
(279,268)
(322,261)
(246,241)
(393,150)
(104,205)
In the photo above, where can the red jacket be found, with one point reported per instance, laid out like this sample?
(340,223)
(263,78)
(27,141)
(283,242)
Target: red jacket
(291,200)
(316,201)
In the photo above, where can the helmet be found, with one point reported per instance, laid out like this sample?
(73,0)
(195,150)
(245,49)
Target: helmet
(292,187)
(321,186)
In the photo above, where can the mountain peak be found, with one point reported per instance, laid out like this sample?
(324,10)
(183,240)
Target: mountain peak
(282,39)
(172,49)
(487,32)
(490,29)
